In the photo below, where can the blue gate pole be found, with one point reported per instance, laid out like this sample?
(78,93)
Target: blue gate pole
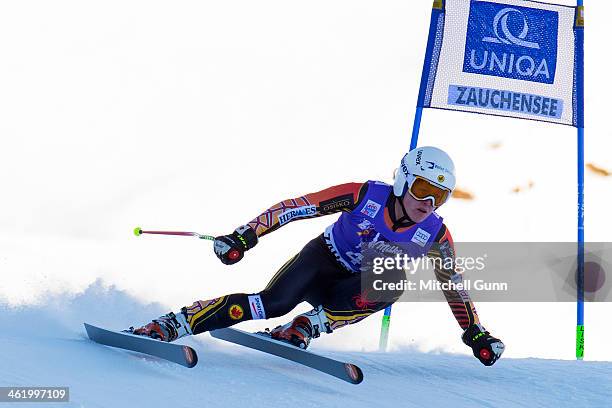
(437,9)
(386,320)
(416,127)
(580,255)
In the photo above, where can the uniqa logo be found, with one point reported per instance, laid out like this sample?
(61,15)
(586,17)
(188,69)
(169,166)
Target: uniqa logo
(519,43)
(524,65)
(501,21)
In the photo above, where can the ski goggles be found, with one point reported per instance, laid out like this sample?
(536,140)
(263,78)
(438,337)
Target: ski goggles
(423,189)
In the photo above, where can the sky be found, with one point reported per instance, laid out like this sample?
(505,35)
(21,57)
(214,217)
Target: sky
(198,116)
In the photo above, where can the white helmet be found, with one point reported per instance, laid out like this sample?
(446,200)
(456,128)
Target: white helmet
(433,168)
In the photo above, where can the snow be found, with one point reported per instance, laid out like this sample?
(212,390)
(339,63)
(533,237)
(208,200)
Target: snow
(201,115)
(47,346)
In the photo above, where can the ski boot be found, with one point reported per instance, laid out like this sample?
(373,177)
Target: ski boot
(303,328)
(168,327)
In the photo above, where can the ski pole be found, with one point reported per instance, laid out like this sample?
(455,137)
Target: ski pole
(233,254)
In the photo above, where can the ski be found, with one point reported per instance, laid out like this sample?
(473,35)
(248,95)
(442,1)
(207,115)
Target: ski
(344,371)
(176,353)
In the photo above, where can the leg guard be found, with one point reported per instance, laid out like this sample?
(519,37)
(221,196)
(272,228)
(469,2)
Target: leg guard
(318,320)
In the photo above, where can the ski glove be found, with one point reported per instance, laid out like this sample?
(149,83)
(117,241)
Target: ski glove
(230,248)
(486,348)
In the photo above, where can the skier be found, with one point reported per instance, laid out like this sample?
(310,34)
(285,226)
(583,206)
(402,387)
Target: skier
(326,272)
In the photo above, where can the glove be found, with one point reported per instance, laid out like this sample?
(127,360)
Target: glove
(230,248)
(486,348)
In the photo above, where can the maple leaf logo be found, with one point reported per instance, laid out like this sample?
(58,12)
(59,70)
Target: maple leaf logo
(236,312)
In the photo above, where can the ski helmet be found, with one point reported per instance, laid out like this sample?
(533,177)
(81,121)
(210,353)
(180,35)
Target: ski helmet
(426,173)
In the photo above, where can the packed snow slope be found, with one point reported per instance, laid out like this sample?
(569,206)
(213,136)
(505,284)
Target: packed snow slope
(200,116)
(47,346)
